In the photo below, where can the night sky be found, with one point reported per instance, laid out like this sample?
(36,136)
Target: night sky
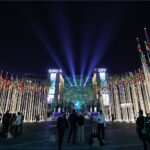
(35,36)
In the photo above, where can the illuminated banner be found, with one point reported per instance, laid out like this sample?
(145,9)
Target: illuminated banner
(53,82)
(52,78)
(103,82)
(102,76)
(54,70)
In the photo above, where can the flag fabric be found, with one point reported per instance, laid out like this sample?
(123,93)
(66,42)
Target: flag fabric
(137,76)
(147,42)
(120,87)
(139,47)
(21,86)
(147,46)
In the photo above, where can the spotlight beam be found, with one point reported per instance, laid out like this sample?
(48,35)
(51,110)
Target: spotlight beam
(103,42)
(43,38)
(65,38)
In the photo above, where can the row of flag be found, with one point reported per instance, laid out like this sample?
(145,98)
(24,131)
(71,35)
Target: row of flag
(130,92)
(22,84)
(25,95)
(121,82)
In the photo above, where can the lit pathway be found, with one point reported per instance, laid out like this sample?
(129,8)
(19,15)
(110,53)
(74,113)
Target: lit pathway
(119,136)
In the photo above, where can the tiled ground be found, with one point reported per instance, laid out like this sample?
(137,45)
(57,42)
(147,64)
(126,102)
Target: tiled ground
(35,136)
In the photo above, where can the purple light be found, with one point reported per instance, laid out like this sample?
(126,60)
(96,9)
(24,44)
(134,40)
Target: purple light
(43,38)
(102,43)
(83,64)
(63,34)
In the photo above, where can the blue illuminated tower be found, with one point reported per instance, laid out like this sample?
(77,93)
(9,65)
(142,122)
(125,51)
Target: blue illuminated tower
(101,92)
(56,85)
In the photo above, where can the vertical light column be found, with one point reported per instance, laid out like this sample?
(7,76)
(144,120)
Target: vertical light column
(147,102)
(104,91)
(130,108)
(135,100)
(118,111)
(52,88)
(8,99)
(14,100)
(124,109)
(19,102)
(141,97)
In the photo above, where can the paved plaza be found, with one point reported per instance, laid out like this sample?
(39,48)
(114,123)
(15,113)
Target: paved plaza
(35,136)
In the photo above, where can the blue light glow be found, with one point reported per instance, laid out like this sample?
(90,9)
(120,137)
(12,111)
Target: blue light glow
(53,82)
(77,105)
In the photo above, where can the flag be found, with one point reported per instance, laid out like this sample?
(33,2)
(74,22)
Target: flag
(137,76)
(147,42)
(4,86)
(147,45)
(120,87)
(10,82)
(139,46)
(21,86)
(140,75)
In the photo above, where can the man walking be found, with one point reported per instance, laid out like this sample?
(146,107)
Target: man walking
(81,127)
(101,127)
(141,129)
(73,126)
(62,124)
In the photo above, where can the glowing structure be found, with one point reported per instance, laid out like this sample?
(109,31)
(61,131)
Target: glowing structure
(101,93)
(56,85)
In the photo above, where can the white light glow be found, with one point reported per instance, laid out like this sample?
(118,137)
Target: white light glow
(125,105)
(101,69)
(105,99)
(102,76)
(53,81)
(54,70)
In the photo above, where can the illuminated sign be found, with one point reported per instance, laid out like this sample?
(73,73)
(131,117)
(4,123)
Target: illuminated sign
(101,70)
(54,70)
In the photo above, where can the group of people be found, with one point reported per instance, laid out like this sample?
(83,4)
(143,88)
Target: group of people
(75,123)
(12,124)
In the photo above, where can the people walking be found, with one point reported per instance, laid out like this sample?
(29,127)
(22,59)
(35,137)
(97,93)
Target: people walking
(94,134)
(18,123)
(5,123)
(81,127)
(13,124)
(62,124)
(73,126)
(101,127)
(21,124)
(142,129)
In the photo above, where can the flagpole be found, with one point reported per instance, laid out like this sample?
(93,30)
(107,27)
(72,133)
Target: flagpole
(147,41)
(147,52)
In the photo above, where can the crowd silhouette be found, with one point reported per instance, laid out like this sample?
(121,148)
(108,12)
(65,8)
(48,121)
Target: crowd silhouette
(12,124)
